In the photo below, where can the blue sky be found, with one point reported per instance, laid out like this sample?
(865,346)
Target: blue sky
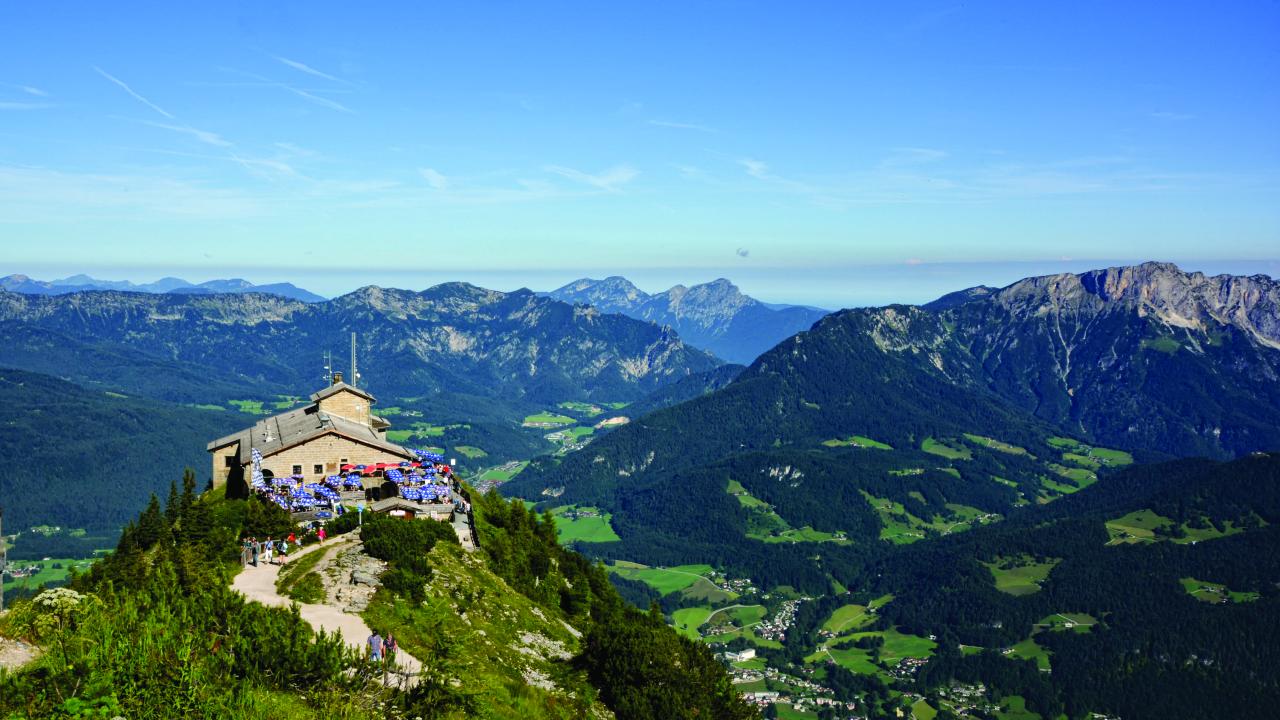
(838,154)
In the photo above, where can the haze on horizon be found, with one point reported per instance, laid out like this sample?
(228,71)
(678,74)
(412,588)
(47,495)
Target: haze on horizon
(832,155)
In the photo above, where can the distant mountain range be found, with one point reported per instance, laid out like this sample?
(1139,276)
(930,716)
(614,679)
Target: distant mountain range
(80,283)
(715,316)
(1145,358)
(453,337)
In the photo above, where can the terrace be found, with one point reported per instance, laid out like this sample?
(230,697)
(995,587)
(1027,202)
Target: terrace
(425,482)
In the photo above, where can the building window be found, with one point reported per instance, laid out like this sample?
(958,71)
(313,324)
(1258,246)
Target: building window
(297,469)
(319,469)
(231,460)
(344,461)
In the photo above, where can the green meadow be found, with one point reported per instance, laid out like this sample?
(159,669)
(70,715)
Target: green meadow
(595,528)
(934,447)
(1020,575)
(861,441)
(1215,592)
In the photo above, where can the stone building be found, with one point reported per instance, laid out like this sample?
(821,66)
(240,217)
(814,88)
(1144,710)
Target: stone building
(337,428)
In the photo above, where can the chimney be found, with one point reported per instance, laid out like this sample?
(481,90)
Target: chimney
(337,378)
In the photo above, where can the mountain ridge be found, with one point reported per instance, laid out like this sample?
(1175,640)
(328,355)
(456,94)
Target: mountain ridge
(82,283)
(715,315)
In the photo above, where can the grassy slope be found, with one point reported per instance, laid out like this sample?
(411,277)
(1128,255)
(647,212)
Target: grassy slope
(488,623)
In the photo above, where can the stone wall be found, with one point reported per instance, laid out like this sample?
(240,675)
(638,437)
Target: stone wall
(221,470)
(327,451)
(347,405)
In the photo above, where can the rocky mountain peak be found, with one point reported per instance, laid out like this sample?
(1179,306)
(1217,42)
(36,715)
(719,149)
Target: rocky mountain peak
(1158,289)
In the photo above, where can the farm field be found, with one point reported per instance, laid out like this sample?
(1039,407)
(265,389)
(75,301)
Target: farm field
(548,418)
(897,646)
(664,580)
(995,444)
(1014,707)
(48,573)
(900,527)
(594,528)
(248,407)
(1076,622)
(861,441)
(1140,526)
(688,620)
(580,407)
(942,450)
(470,451)
(1096,456)
(504,472)
(1020,575)
(1214,592)
(1029,650)
(921,710)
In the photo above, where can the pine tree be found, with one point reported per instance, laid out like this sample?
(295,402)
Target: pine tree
(172,509)
(151,524)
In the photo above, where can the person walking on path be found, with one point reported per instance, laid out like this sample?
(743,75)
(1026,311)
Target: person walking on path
(389,646)
(267,547)
(375,647)
(257,550)
(321,534)
(284,551)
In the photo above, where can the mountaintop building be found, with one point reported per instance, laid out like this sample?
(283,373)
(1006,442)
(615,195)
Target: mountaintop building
(337,428)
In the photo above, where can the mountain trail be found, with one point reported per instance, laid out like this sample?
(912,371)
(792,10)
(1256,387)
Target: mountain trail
(259,584)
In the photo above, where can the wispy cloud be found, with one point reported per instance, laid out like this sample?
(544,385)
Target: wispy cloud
(682,126)
(48,196)
(24,106)
(434,179)
(610,180)
(301,67)
(26,89)
(204,136)
(913,156)
(756,168)
(325,102)
(296,150)
(136,96)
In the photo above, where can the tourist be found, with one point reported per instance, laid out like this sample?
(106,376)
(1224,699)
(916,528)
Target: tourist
(267,547)
(321,534)
(284,550)
(375,647)
(257,548)
(293,539)
(390,645)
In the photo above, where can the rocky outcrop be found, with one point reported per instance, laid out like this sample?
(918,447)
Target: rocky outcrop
(1193,301)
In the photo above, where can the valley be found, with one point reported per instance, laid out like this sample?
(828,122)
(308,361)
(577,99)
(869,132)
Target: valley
(863,518)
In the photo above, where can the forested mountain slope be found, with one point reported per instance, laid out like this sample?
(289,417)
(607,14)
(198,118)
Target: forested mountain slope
(89,458)
(453,337)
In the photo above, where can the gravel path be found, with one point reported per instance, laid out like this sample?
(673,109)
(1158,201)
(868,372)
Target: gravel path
(259,584)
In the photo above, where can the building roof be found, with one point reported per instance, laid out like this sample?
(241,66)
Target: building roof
(289,429)
(339,387)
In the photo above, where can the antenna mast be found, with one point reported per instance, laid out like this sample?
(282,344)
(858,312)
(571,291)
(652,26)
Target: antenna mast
(354,374)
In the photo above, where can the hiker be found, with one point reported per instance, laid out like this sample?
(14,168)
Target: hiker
(257,549)
(293,539)
(267,547)
(321,534)
(375,647)
(284,551)
(390,646)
